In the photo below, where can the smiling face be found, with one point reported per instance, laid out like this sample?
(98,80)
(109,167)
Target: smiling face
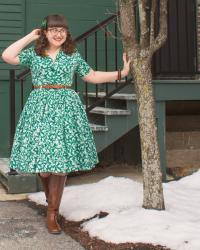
(56,36)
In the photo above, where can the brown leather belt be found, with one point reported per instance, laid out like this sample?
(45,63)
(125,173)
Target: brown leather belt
(52,86)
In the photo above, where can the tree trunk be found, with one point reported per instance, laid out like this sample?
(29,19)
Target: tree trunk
(140,41)
(152,183)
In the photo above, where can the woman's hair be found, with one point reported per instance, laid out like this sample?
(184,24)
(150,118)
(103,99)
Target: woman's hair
(54,21)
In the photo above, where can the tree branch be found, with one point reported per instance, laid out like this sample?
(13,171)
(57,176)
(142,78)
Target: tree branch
(144,29)
(152,25)
(162,35)
(128,25)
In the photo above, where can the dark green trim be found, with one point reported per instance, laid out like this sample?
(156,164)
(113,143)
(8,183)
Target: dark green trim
(165,90)
(161,125)
(196,34)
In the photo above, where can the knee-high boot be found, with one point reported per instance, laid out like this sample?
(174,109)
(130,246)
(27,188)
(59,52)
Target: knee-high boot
(45,184)
(56,186)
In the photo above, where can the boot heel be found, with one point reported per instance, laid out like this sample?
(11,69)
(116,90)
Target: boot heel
(52,224)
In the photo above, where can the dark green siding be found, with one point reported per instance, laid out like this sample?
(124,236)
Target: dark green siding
(11,27)
(81,15)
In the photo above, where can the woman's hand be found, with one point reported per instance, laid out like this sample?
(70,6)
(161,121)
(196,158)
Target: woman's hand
(126,67)
(35,34)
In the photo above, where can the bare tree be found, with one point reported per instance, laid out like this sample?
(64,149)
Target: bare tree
(140,41)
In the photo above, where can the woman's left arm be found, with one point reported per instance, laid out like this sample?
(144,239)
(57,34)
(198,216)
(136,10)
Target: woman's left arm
(101,76)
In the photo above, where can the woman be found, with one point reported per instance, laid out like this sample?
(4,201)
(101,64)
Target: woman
(53,137)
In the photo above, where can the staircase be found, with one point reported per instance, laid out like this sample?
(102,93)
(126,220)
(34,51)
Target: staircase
(114,118)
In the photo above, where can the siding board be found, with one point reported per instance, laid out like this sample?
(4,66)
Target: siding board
(10,23)
(10,37)
(10,8)
(77,3)
(10,2)
(4,44)
(84,12)
(6,66)
(11,16)
(11,30)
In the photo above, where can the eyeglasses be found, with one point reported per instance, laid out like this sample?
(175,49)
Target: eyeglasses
(55,31)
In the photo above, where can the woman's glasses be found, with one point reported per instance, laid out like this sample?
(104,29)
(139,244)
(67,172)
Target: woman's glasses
(56,31)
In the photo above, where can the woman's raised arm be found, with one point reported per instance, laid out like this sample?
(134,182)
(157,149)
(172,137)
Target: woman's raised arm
(10,54)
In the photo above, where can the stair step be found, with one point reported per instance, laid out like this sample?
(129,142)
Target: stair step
(97,127)
(20,183)
(109,111)
(120,81)
(119,96)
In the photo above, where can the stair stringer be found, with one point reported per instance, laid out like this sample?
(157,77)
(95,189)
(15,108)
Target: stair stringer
(117,127)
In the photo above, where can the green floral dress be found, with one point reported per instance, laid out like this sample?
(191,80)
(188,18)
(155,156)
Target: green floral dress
(53,134)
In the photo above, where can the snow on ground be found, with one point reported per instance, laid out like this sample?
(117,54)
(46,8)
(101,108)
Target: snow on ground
(178,227)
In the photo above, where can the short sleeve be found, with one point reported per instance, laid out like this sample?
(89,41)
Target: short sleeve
(82,67)
(26,57)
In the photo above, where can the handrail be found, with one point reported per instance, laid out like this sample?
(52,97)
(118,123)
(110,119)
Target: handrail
(23,74)
(101,100)
(96,28)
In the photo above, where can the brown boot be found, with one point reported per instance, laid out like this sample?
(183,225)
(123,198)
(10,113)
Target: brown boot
(56,186)
(45,184)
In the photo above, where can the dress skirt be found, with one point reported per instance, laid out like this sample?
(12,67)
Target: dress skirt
(53,134)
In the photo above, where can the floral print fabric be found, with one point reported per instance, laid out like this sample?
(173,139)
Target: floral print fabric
(45,71)
(53,134)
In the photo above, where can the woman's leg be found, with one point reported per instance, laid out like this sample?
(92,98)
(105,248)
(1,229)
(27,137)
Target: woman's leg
(44,177)
(56,187)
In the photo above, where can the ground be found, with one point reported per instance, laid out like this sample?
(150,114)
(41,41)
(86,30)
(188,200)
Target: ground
(73,229)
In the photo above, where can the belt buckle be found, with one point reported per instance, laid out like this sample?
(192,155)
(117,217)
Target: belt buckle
(38,87)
